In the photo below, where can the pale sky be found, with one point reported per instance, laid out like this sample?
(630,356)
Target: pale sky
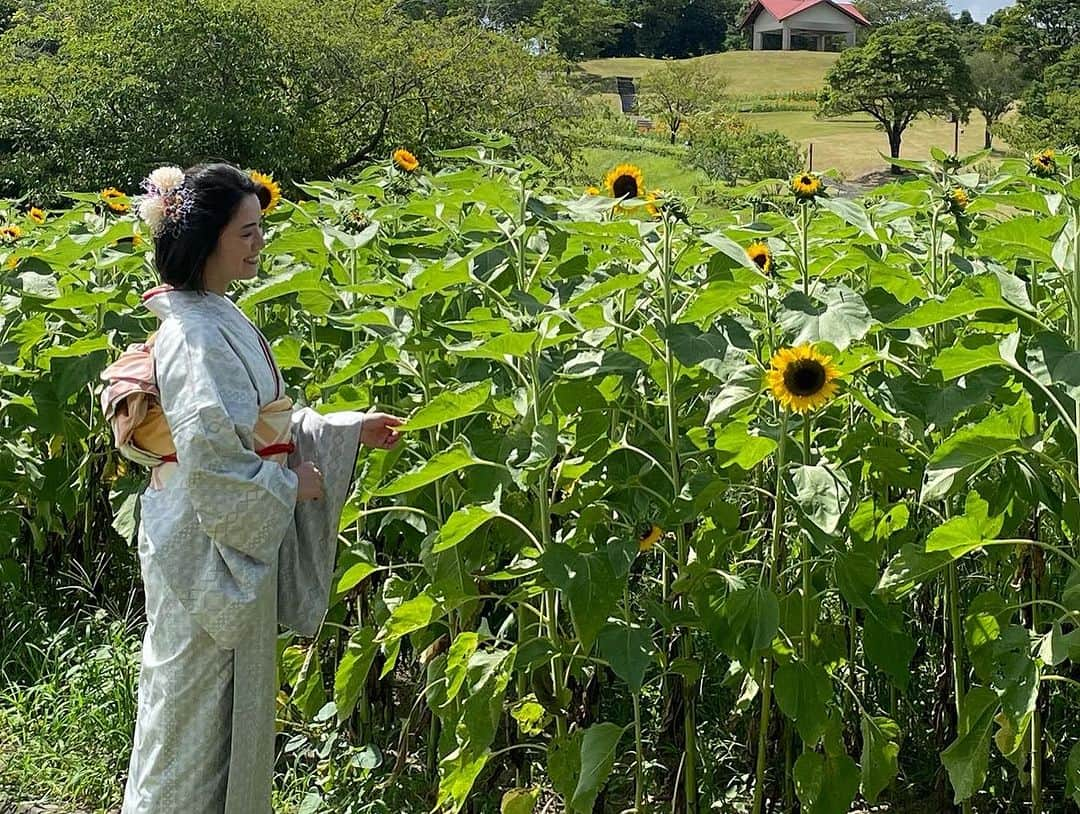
(980,9)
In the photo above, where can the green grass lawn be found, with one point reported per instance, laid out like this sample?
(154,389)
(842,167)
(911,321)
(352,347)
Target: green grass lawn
(850,145)
(661,172)
(749,73)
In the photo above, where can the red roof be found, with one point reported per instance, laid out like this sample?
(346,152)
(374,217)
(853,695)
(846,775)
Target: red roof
(782,9)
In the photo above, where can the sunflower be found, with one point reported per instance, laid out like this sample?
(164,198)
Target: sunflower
(356,220)
(802,379)
(806,186)
(650,535)
(10,233)
(958,200)
(592,190)
(404,160)
(268,183)
(37,215)
(762,256)
(653,201)
(1044,164)
(115,199)
(625,181)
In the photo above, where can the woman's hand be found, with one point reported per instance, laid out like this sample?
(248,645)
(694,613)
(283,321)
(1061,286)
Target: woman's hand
(378,431)
(310,486)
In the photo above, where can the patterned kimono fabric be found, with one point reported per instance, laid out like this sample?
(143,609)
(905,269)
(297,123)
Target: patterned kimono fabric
(226,554)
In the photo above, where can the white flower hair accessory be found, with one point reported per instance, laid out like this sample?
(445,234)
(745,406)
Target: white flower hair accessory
(166,204)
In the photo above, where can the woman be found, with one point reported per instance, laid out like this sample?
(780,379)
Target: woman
(239,525)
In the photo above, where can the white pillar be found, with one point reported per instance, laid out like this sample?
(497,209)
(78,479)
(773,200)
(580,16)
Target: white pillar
(787,37)
(759,41)
(851,37)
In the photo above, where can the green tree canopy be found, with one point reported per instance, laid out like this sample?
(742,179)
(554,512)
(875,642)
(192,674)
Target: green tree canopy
(582,29)
(1039,32)
(886,12)
(1050,110)
(997,81)
(678,90)
(679,28)
(97,92)
(904,70)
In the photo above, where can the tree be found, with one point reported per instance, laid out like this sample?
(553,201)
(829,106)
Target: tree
(94,93)
(729,149)
(1039,32)
(902,71)
(886,12)
(580,29)
(677,28)
(376,83)
(678,90)
(1050,110)
(997,82)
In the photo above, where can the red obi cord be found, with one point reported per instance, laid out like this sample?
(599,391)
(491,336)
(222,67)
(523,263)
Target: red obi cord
(265,452)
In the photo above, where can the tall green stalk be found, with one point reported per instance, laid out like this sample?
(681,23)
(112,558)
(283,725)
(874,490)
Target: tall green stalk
(952,599)
(1036,718)
(667,273)
(774,578)
(804,549)
(639,749)
(804,565)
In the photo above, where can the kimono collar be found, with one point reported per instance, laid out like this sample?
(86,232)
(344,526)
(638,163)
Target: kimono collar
(164,300)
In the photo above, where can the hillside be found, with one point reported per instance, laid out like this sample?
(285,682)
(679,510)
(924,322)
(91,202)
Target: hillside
(748,72)
(851,146)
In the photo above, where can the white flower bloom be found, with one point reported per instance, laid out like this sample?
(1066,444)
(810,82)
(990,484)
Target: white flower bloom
(152,211)
(166,179)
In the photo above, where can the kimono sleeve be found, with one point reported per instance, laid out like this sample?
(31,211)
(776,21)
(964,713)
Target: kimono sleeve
(241,501)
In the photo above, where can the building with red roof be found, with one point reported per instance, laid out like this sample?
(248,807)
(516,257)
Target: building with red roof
(813,24)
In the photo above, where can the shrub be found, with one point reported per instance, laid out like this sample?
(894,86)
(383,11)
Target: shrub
(728,149)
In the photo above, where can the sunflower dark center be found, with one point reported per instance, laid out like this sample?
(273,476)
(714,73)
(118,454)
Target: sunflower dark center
(804,377)
(762,260)
(625,185)
(806,180)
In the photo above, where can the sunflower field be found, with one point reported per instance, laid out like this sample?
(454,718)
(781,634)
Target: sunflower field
(768,509)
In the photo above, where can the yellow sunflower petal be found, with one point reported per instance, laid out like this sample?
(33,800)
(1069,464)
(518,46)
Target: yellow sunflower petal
(625,181)
(271,186)
(650,538)
(806,186)
(762,257)
(801,378)
(404,160)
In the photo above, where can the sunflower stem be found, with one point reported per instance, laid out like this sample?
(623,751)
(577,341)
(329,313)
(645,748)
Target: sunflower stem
(808,632)
(639,749)
(952,588)
(804,246)
(774,576)
(1036,718)
(769,327)
(1076,316)
(667,273)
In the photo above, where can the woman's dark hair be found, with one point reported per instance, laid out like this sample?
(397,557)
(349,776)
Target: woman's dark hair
(217,190)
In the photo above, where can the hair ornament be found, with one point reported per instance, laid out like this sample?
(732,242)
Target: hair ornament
(166,203)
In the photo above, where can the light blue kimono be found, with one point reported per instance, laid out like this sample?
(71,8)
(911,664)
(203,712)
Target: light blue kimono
(226,553)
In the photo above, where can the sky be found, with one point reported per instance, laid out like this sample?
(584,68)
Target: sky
(980,9)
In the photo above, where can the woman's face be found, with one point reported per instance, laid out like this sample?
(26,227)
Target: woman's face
(236,256)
